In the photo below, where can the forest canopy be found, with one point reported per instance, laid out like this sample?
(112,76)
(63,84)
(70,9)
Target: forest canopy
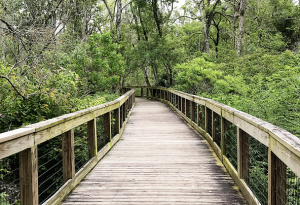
(59,56)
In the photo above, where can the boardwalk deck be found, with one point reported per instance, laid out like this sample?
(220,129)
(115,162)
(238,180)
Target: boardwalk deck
(159,160)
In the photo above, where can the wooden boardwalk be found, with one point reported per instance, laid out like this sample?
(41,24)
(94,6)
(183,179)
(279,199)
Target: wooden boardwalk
(159,160)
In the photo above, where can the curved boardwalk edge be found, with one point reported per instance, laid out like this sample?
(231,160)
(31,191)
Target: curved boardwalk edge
(159,160)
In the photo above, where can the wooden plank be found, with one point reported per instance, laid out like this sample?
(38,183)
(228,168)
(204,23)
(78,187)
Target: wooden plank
(7,136)
(157,162)
(92,138)
(214,107)
(107,126)
(68,155)
(16,145)
(252,130)
(29,177)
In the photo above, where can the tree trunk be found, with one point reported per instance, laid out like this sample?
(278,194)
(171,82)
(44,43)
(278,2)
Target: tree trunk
(235,18)
(206,43)
(110,14)
(118,19)
(146,76)
(241,24)
(157,17)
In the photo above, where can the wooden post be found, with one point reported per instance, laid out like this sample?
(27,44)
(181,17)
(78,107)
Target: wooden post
(142,92)
(206,119)
(117,120)
(187,108)
(243,154)
(29,177)
(107,126)
(92,138)
(223,145)
(147,94)
(214,126)
(276,180)
(198,115)
(68,155)
(124,112)
(121,116)
(193,111)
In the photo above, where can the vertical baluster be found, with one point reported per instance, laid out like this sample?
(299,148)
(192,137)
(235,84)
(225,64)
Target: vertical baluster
(92,138)
(29,177)
(187,108)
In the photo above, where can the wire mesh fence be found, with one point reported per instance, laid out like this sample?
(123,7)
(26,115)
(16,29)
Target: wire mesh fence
(81,146)
(101,134)
(50,169)
(138,92)
(194,109)
(230,135)
(257,162)
(292,188)
(113,122)
(217,122)
(209,121)
(201,116)
(9,180)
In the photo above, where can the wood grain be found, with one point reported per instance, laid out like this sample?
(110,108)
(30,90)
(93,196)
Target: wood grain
(159,160)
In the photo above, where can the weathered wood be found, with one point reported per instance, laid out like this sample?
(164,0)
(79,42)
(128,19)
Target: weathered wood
(193,111)
(92,138)
(107,126)
(142,92)
(198,115)
(243,155)
(68,155)
(277,180)
(16,145)
(117,120)
(147,92)
(156,163)
(29,177)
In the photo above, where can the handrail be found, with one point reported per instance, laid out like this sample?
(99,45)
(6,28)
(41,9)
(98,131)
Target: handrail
(283,148)
(25,141)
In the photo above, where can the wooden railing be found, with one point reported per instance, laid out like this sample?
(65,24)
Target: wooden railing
(25,142)
(263,160)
